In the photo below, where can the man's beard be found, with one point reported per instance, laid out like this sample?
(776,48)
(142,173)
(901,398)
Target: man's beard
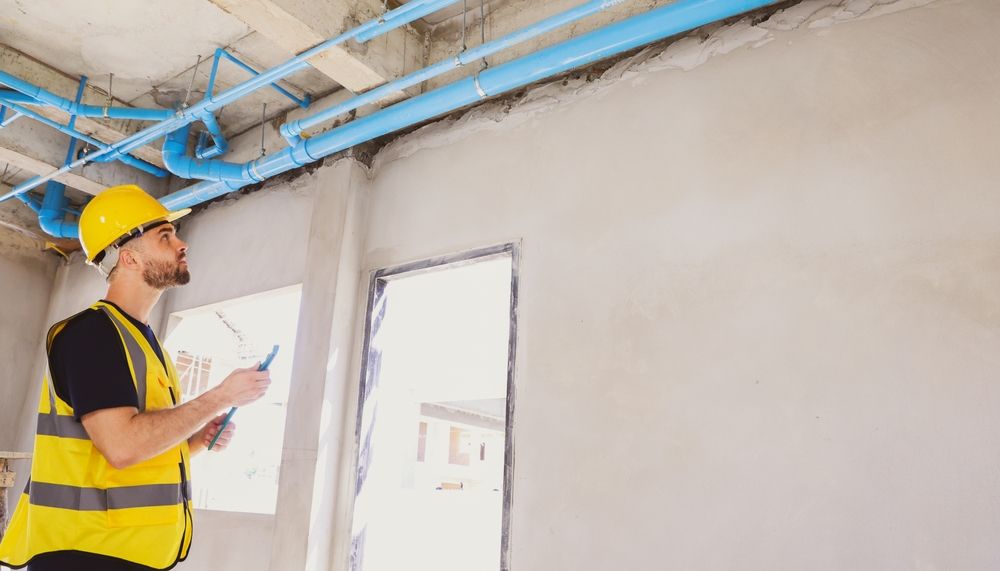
(161,275)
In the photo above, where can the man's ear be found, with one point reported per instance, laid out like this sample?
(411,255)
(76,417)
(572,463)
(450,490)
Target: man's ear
(127,258)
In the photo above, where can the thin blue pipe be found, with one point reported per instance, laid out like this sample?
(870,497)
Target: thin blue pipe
(221,53)
(292,129)
(646,28)
(31,201)
(44,97)
(403,15)
(126,159)
(4,120)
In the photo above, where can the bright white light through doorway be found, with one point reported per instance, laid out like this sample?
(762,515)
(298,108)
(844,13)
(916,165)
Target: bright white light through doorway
(434,449)
(207,343)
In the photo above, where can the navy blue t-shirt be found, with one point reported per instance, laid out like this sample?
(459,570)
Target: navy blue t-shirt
(88,364)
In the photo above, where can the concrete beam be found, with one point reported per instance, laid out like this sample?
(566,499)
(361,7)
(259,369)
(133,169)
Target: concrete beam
(297,25)
(30,164)
(105,130)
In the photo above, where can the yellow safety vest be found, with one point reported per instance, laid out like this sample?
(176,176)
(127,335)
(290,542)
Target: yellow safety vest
(75,499)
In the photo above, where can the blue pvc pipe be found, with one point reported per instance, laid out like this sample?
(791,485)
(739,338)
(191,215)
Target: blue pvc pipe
(221,53)
(292,129)
(43,97)
(52,215)
(31,202)
(413,10)
(177,161)
(220,145)
(393,19)
(72,132)
(649,27)
(11,119)
(18,97)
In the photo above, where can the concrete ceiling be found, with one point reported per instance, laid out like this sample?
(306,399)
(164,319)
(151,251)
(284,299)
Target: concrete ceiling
(152,49)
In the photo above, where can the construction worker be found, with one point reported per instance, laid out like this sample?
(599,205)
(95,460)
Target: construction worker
(110,484)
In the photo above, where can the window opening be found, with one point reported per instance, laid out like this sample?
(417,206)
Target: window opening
(435,453)
(207,344)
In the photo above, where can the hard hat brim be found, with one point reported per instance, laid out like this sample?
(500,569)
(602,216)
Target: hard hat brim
(177,214)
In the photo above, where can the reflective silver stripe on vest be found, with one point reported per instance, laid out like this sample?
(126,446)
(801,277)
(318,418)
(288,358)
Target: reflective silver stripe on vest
(97,499)
(50,384)
(137,356)
(61,426)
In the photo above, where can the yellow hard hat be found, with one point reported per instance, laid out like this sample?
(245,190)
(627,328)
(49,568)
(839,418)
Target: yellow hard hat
(116,213)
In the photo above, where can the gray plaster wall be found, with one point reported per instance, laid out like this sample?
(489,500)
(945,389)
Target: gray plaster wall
(758,323)
(71,287)
(26,277)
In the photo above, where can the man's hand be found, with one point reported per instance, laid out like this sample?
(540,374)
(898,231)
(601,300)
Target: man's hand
(201,439)
(244,386)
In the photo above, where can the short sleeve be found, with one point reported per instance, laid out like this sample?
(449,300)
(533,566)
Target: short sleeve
(88,365)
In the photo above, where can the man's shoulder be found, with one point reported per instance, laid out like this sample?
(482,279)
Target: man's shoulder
(87,324)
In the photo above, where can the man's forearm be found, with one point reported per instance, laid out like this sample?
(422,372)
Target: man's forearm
(126,437)
(158,431)
(149,434)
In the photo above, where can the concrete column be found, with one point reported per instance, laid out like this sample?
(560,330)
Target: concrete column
(314,429)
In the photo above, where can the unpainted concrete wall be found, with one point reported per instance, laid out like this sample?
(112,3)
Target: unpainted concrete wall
(759,316)
(26,279)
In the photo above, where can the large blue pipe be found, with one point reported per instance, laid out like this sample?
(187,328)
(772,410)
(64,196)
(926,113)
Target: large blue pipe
(177,161)
(657,24)
(17,97)
(43,97)
(393,19)
(292,129)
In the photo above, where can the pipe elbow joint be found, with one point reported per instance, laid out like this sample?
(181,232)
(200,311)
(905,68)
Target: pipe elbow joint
(54,224)
(290,131)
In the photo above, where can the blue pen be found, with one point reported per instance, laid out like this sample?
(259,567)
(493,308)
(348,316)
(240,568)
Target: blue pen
(225,422)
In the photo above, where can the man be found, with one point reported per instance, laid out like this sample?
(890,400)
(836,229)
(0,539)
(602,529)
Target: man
(110,480)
